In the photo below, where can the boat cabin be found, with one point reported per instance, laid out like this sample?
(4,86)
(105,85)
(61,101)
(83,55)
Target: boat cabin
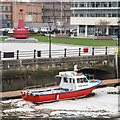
(72,80)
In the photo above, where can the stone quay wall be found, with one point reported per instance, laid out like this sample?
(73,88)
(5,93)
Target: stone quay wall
(17,74)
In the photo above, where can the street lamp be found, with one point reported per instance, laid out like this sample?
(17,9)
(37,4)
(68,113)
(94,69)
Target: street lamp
(118,44)
(50,25)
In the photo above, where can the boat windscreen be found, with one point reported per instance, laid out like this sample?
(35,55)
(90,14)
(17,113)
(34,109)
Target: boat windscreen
(82,80)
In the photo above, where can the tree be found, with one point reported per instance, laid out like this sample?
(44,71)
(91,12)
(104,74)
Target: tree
(103,25)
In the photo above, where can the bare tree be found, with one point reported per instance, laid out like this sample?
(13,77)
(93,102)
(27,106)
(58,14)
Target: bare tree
(103,25)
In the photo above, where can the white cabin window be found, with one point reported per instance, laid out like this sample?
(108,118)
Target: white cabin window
(81,80)
(65,80)
(73,80)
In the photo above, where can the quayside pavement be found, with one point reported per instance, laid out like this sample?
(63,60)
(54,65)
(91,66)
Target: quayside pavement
(17,94)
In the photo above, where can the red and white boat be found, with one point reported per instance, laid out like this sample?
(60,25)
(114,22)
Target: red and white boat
(72,85)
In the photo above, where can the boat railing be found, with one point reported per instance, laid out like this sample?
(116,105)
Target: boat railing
(51,84)
(40,86)
(32,87)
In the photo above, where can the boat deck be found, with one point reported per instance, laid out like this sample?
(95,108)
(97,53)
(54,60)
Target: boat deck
(49,91)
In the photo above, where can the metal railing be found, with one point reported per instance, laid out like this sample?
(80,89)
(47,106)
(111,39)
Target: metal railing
(55,53)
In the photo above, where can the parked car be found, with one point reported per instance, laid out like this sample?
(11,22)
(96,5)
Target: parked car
(43,30)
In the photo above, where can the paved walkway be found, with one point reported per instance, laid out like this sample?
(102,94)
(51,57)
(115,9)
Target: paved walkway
(16,94)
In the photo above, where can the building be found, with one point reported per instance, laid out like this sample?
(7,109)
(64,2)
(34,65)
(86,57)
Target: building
(9,12)
(87,14)
(58,12)
(35,13)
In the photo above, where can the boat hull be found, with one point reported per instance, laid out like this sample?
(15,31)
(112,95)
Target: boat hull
(57,96)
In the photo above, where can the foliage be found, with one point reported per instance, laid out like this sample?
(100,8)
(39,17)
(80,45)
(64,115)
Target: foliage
(102,25)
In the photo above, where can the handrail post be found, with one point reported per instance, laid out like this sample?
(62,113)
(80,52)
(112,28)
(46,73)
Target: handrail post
(34,54)
(92,50)
(65,52)
(106,51)
(0,55)
(79,51)
(17,54)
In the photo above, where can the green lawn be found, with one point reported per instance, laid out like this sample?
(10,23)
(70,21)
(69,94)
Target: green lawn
(78,41)
(75,41)
(3,38)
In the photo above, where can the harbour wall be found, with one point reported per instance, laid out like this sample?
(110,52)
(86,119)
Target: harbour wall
(17,74)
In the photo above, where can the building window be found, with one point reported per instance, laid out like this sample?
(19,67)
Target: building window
(91,4)
(119,4)
(81,15)
(114,15)
(76,4)
(5,8)
(109,15)
(97,4)
(76,15)
(72,4)
(5,16)
(110,4)
(114,4)
(82,4)
(91,30)
(103,4)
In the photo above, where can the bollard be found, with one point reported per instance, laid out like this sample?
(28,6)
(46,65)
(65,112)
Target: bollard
(39,53)
(17,54)
(79,51)
(65,52)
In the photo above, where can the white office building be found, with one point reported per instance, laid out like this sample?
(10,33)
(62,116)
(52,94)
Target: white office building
(87,14)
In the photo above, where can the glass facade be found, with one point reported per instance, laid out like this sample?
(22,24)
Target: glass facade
(93,9)
(95,4)
(96,13)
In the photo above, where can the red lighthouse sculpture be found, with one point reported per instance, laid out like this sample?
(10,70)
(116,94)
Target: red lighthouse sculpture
(21,32)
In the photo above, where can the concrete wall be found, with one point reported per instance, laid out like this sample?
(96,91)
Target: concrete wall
(17,74)
(92,20)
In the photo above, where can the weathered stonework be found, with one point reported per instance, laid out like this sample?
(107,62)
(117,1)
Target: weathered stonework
(18,74)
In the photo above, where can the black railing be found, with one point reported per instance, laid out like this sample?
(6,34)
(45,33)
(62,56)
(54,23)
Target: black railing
(54,53)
